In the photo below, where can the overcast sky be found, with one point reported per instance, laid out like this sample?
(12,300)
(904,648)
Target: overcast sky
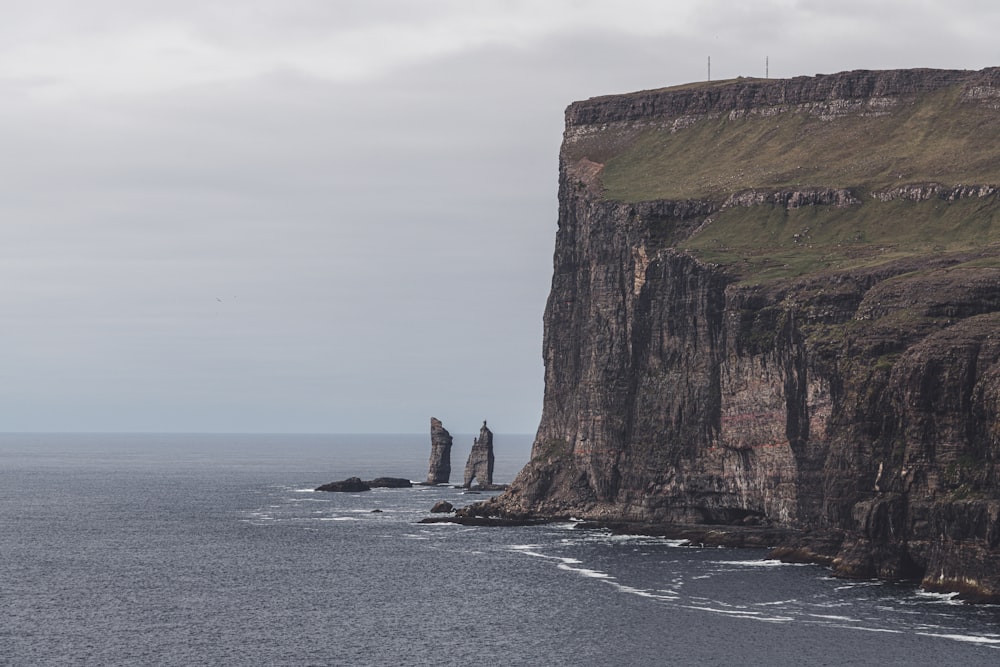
(323,216)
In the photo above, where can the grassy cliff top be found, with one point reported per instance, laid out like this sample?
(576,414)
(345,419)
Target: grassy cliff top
(934,137)
(864,132)
(765,243)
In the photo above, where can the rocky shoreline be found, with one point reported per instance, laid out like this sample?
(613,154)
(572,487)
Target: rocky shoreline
(788,545)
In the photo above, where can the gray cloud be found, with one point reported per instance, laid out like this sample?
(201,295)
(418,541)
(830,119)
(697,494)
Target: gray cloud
(248,239)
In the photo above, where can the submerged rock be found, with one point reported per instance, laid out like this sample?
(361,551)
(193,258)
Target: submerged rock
(440,464)
(480,464)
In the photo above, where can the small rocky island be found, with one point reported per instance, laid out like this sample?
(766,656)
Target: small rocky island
(356,484)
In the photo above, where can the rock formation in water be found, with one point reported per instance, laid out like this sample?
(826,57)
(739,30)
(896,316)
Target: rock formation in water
(777,302)
(349,485)
(442,507)
(355,484)
(440,464)
(390,483)
(479,467)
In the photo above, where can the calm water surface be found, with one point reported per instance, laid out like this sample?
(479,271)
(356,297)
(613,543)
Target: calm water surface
(214,550)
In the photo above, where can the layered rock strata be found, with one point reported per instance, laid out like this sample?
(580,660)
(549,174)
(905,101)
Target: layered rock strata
(853,404)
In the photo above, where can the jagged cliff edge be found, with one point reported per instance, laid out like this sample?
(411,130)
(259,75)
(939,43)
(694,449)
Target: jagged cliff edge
(854,406)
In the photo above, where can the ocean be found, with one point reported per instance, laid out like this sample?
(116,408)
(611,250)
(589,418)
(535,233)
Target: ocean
(214,550)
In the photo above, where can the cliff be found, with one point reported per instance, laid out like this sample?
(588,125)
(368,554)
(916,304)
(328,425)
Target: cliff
(776,303)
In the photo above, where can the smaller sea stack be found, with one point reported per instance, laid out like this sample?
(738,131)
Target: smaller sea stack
(480,464)
(440,464)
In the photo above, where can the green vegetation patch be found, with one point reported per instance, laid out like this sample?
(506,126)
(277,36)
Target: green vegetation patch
(933,138)
(770,242)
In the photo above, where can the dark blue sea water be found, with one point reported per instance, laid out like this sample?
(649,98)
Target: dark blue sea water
(213,550)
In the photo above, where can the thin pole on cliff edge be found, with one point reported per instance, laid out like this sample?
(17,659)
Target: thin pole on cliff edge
(710,68)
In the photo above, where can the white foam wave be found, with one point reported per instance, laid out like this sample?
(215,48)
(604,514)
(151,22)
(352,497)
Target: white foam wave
(593,574)
(636,539)
(939,597)
(656,595)
(764,562)
(854,584)
(528,550)
(742,613)
(339,518)
(986,640)
(867,628)
(564,526)
(834,617)
(303,490)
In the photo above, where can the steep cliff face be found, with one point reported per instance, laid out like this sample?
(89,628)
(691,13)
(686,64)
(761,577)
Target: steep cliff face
(777,303)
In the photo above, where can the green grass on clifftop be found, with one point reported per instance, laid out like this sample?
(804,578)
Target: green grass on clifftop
(934,138)
(770,242)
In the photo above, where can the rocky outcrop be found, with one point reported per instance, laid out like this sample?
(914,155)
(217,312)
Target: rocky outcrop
(349,485)
(390,483)
(355,484)
(440,464)
(852,408)
(479,467)
(442,507)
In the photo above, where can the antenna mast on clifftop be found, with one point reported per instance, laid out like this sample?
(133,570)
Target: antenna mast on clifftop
(767,67)
(710,68)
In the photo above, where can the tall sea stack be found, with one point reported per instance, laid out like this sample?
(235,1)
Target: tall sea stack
(479,467)
(777,303)
(440,464)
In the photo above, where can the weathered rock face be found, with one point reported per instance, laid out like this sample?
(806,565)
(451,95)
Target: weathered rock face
(440,464)
(859,403)
(479,467)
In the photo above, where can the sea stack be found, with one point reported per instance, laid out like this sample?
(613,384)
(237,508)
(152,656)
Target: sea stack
(440,463)
(480,463)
